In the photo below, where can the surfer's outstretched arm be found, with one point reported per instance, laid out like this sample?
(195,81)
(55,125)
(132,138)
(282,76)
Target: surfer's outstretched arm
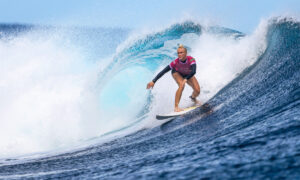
(159,75)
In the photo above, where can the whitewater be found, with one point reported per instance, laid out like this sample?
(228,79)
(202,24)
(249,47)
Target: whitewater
(74,102)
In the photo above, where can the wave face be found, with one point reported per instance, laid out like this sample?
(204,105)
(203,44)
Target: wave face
(250,82)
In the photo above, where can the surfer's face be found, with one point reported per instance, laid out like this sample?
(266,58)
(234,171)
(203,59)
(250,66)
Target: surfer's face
(181,54)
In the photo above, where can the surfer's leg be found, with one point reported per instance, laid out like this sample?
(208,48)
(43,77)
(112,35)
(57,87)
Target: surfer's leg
(179,79)
(195,85)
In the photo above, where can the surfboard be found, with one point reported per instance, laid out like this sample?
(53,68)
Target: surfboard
(175,114)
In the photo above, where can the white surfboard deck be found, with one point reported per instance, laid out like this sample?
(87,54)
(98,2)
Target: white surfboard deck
(175,114)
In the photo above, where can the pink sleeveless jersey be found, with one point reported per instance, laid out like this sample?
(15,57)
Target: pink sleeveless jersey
(183,68)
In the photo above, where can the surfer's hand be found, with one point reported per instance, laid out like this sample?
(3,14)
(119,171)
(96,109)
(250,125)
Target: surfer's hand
(150,85)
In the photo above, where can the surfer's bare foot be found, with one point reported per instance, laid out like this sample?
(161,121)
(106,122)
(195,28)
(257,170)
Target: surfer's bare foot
(177,109)
(195,101)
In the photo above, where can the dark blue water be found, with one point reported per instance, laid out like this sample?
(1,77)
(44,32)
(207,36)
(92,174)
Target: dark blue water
(252,132)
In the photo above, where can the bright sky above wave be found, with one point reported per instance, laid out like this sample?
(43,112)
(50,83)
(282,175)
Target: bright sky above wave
(242,15)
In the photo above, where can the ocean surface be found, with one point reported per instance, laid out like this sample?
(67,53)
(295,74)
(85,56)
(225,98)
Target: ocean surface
(74,104)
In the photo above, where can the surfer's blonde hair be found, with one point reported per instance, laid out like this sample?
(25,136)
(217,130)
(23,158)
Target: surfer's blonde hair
(181,46)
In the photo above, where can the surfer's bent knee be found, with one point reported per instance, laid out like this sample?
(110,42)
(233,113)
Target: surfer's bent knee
(181,86)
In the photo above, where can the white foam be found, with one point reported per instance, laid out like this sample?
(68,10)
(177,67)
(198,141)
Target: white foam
(47,96)
(50,95)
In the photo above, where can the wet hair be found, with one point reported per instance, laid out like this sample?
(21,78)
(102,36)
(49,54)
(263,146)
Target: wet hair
(180,46)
